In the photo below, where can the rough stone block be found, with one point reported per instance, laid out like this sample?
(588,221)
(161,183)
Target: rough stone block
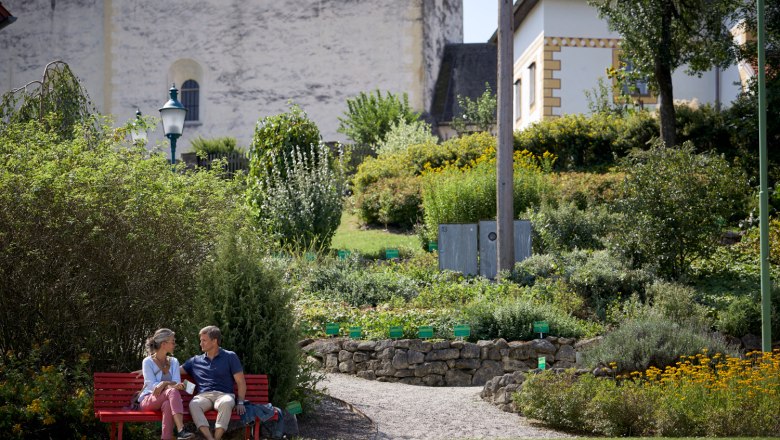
(402,343)
(489,370)
(521,351)
(467,364)
(368,375)
(457,344)
(442,355)
(374,364)
(361,357)
(441,345)
(566,353)
(433,380)
(345,355)
(411,380)
(383,344)
(324,346)
(430,368)
(386,353)
(367,346)
(331,362)
(404,373)
(514,365)
(490,353)
(470,351)
(501,343)
(347,367)
(457,378)
(420,345)
(400,360)
(415,357)
(543,346)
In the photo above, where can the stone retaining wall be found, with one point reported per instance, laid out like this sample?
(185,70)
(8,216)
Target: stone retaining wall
(438,363)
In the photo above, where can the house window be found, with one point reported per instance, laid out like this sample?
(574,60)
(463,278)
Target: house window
(531,84)
(634,88)
(190,99)
(518,102)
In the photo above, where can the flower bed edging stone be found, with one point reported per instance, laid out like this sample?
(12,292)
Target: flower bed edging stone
(439,363)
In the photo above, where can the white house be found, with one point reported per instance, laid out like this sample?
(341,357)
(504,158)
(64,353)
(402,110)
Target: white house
(562,48)
(234,62)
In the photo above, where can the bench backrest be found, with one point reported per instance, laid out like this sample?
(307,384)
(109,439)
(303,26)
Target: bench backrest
(113,391)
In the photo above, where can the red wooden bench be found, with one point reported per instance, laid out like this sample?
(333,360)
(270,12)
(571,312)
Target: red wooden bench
(113,392)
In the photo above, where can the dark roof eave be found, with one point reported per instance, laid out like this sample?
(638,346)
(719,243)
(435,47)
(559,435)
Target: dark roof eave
(520,10)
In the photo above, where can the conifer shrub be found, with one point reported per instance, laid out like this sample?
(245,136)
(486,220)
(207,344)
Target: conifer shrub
(242,293)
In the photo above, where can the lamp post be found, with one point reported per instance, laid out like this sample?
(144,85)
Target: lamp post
(172,115)
(138,132)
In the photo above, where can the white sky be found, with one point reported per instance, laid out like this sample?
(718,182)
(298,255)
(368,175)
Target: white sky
(480,20)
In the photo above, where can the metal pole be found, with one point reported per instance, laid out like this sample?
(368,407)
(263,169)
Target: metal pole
(504,170)
(173,137)
(766,328)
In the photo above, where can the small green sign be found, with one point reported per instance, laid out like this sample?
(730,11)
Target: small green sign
(331,329)
(396,332)
(462,331)
(425,332)
(391,253)
(354,332)
(541,327)
(310,256)
(294,407)
(344,254)
(433,246)
(542,363)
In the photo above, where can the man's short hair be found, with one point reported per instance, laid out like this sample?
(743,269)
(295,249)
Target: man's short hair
(213,332)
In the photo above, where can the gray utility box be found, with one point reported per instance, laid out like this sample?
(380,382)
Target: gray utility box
(488,245)
(471,248)
(458,248)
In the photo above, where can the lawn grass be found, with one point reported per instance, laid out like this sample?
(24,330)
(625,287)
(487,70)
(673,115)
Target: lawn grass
(351,236)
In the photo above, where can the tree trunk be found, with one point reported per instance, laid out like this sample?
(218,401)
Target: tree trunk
(663,75)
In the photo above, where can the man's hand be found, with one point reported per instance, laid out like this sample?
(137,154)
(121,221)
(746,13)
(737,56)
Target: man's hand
(240,409)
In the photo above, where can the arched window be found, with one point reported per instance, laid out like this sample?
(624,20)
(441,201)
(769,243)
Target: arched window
(190,99)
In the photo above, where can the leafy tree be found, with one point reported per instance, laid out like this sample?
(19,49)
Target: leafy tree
(479,113)
(661,35)
(220,145)
(276,137)
(370,116)
(674,205)
(403,134)
(99,244)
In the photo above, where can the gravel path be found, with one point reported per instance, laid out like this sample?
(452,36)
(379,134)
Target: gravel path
(416,412)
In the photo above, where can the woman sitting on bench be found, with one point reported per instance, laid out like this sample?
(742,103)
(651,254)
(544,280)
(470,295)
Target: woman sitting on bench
(162,383)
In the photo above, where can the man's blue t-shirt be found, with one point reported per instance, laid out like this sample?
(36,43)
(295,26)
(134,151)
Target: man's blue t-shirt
(214,374)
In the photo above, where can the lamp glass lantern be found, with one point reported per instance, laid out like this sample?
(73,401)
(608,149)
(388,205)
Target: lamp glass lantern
(172,115)
(138,132)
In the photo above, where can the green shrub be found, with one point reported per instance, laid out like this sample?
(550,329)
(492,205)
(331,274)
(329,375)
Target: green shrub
(393,201)
(513,318)
(651,340)
(300,205)
(276,140)
(585,190)
(476,114)
(402,134)
(558,399)
(89,231)
(221,145)
(370,116)
(43,401)
(673,207)
(566,228)
(244,296)
(457,152)
(621,408)
(537,266)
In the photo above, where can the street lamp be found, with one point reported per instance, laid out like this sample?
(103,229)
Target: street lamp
(172,115)
(138,132)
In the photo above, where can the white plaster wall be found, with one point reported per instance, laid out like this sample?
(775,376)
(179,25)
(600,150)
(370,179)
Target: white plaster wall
(574,18)
(580,71)
(49,30)
(705,88)
(529,30)
(254,55)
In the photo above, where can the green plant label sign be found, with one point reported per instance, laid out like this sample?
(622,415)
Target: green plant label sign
(344,254)
(396,332)
(331,329)
(294,407)
(391,253)
(541,327)
(354,332)
(462,331)
(310,256)
(425,332)
(542,363)
(433,246)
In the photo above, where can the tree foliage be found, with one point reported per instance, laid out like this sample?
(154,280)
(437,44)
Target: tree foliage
(673,206)
(658,36)
(370,116)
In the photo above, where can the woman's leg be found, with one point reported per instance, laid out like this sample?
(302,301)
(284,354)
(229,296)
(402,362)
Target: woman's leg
(177,408)
(160,402)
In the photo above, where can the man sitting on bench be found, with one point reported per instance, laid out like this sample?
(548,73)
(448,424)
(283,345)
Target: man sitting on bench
(215,372)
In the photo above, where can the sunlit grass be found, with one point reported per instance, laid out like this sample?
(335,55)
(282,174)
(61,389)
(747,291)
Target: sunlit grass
(352,237)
